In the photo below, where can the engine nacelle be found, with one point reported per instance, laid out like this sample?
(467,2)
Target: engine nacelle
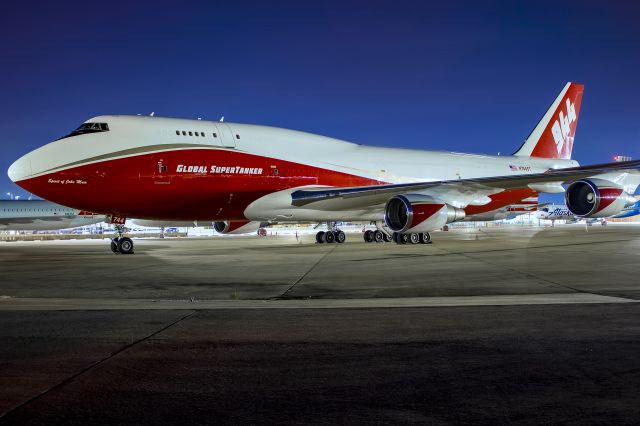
(596,198)
(236,227)
(419,213)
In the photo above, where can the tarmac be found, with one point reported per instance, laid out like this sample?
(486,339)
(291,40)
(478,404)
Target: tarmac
(486,325)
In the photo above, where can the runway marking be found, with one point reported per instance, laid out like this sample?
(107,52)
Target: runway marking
(284,295)
(395,256)
(93,365)
(52,304)
(527,274)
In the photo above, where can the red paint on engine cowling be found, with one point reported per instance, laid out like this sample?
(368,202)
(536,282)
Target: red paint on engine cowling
(422,212)
(608,196)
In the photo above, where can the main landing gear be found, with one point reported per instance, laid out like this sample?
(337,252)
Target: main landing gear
(378,236)
(331,236)
(120,244)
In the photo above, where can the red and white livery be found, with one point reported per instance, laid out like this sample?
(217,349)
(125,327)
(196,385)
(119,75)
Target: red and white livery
(240,174)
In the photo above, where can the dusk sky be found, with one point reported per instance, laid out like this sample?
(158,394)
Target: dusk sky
(464,76)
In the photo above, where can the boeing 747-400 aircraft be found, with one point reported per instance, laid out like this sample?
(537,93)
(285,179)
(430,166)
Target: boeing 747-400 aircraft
(240,175)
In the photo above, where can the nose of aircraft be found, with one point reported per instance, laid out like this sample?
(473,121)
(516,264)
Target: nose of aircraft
(20,169)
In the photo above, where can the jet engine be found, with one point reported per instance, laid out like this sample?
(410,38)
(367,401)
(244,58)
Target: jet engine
(596,198)
(236,227)
(419,213)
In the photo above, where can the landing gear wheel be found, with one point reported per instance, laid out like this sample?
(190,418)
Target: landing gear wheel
(320,237)
(368,236)
(329,237)
(378,236)
(425,238)
(340,237)
(125,245)
(114,245)
(414,238)
(405,238)
(395,237)
(387,237)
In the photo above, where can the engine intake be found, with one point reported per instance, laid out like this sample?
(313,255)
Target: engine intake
(419,213)
(596,198)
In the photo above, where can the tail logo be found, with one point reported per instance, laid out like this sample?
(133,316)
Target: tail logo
(561,127)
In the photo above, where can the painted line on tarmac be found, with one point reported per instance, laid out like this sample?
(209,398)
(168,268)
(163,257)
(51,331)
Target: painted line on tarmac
(324,256)
(54,304)
(92,366)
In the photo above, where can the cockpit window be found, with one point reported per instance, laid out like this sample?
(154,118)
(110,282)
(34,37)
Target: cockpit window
(88,128)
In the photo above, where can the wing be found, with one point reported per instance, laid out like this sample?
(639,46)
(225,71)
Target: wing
(470,191)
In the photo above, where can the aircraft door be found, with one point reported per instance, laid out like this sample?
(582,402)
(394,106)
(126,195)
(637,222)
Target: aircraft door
(225,135)
(161,174)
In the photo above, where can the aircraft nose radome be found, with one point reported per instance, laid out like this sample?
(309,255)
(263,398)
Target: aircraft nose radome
(20,169)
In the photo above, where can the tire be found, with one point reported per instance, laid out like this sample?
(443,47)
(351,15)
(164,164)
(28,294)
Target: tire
(125,245)
(114,245)
(387,237)
(425,238)
(368,236)
(329,237)
(414,238)
(341,237)
(378,236)
(395,237)
(405,238)
(320,237)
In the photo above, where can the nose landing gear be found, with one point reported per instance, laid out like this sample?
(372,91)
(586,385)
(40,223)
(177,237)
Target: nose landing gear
(120,244)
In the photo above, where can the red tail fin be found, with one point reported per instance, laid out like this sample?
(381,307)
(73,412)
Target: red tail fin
(553,135)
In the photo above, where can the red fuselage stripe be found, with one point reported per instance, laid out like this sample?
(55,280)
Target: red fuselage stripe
(195,184)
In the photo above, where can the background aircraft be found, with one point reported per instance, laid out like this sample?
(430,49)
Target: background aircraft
(40,215)
(629,211)
(555,212)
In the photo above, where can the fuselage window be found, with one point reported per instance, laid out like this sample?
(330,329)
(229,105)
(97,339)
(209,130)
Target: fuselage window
(202,134)
(215,135)
(237,136)
(184,133)
(178,132)
(190,133)
(197,134)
